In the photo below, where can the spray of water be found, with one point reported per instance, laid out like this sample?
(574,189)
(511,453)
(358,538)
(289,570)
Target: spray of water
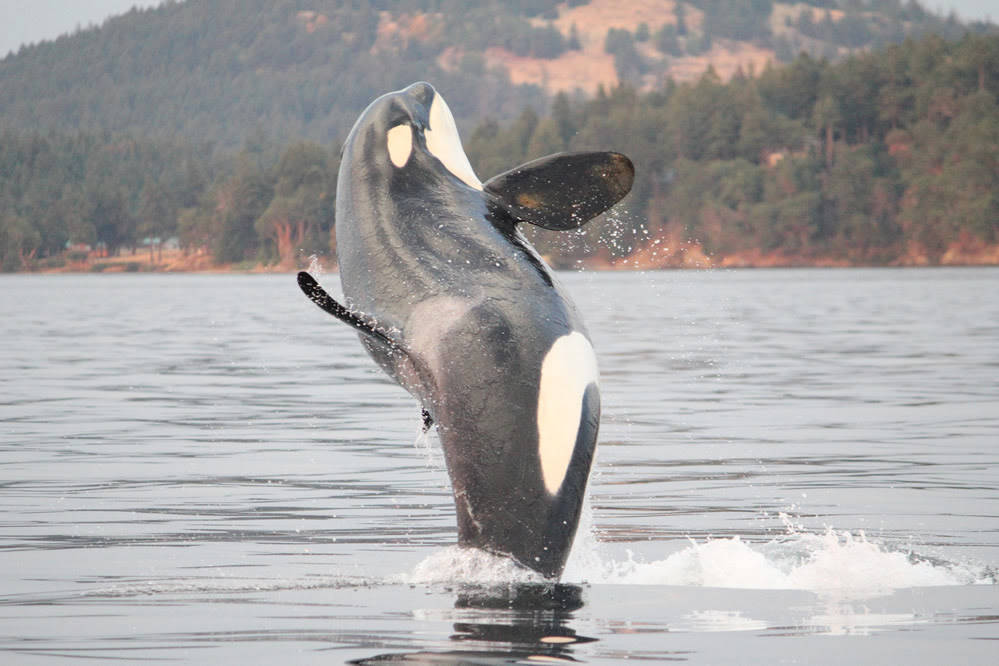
(456,564)
(315,266)
(833,562)
(818,562)
(425,442)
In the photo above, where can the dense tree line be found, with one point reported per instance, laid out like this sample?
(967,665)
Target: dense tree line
(112,192)
(882,155)
(95,189)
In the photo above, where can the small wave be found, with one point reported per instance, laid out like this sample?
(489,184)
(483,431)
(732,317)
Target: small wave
(458,564)
(833,561)
(829,562)
(224,585)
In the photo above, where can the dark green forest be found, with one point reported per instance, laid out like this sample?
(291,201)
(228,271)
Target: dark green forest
(218,124)
(888,156)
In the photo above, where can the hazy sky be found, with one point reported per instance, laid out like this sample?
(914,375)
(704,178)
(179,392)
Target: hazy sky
(26,21)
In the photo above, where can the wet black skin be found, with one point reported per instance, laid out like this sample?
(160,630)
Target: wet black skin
(455,305)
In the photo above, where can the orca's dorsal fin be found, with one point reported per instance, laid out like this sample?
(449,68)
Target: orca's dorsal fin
(362,323)
(562,191)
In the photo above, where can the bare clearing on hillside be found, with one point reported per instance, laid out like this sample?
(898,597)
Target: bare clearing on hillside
(590,67)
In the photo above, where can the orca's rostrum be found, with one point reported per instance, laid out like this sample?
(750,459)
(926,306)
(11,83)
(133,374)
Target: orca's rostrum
(453,303)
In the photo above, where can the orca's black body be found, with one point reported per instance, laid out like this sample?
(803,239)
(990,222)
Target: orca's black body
(454,303)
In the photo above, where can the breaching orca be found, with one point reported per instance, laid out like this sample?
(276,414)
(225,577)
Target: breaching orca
(453,303)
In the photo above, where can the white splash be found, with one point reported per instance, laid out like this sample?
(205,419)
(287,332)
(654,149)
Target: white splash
(315,266)
(456,564)
(838,563)
(829,562)
(717,620)
(835,563)
(434,454)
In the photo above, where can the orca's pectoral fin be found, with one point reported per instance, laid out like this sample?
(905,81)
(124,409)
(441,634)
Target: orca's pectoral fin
(318,295)
(562,191)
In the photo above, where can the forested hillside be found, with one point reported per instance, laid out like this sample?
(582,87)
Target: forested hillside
(218,71)
(218,124)
(890,157)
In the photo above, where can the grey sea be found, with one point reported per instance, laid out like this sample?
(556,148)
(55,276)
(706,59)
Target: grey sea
(795,466)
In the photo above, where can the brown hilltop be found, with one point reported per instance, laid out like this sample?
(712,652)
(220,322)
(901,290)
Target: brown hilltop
(590,67)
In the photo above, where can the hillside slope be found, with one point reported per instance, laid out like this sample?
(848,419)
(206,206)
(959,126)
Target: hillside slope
(224,70)
(888,157)
(221,71)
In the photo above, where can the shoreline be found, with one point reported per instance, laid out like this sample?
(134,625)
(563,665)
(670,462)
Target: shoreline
(686,256)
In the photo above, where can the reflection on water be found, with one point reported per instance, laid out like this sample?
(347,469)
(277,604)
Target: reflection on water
(718,620)
(195,465)
(526,623)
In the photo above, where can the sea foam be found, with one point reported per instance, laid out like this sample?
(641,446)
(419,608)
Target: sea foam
(831,561)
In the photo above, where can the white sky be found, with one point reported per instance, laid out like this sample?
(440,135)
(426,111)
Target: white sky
(28,21)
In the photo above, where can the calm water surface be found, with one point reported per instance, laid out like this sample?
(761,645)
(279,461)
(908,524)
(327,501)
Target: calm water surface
(794,467)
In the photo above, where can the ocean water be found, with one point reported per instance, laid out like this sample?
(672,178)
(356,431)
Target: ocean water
(795,466)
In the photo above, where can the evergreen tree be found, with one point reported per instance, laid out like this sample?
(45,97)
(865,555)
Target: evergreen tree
(564,123)
(681,19)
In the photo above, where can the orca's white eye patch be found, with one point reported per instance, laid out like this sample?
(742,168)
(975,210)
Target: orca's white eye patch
(444,143)
(400,144)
